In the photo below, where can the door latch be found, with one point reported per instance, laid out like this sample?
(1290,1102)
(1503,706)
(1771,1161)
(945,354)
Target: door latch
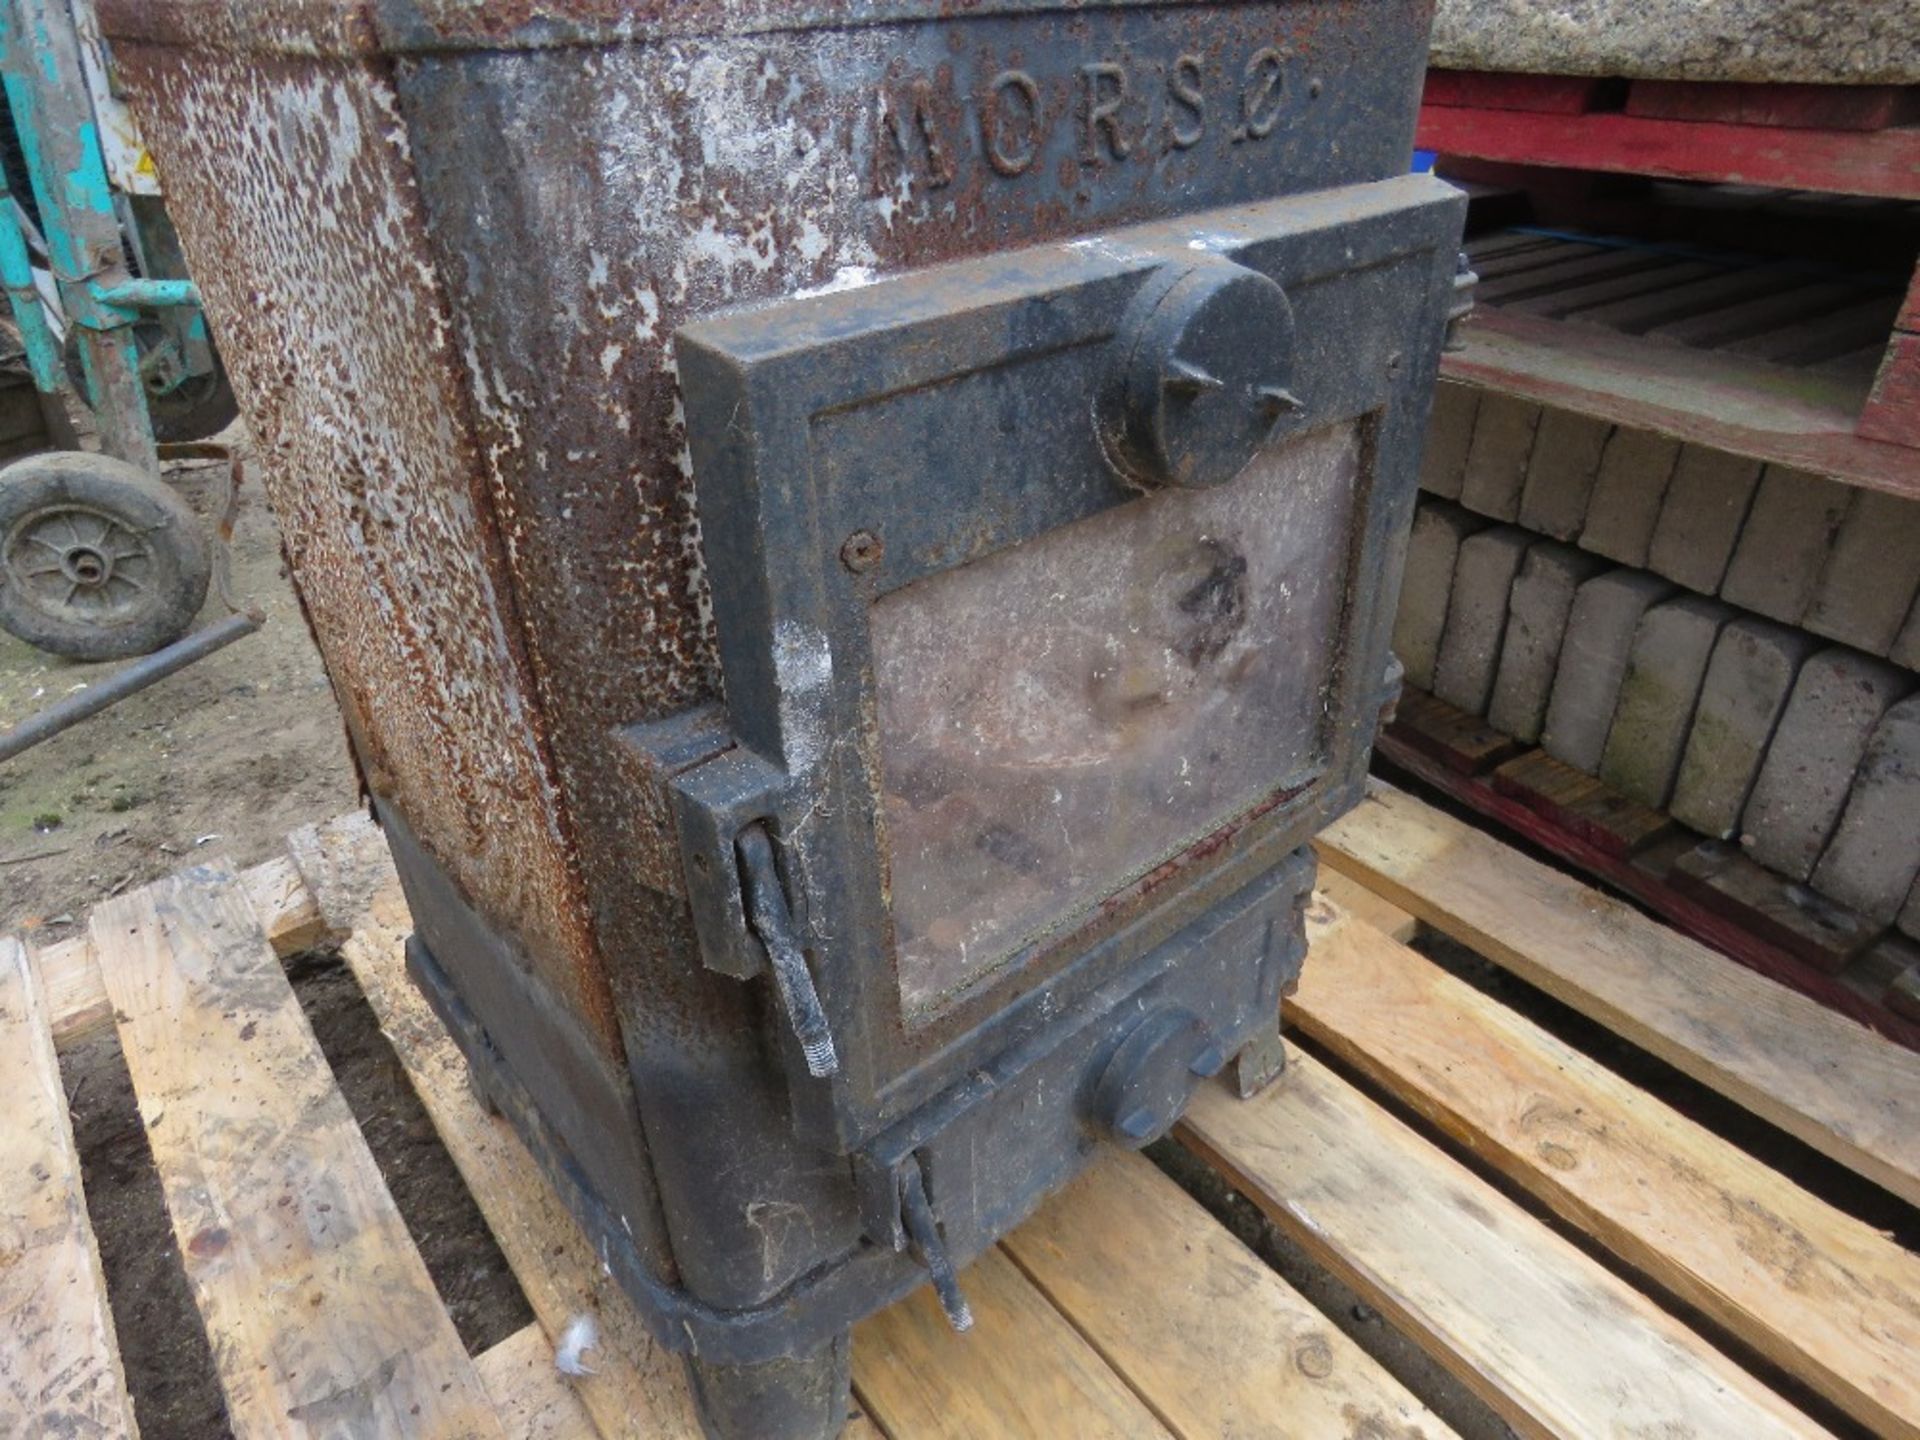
(770,919)
(928,1247)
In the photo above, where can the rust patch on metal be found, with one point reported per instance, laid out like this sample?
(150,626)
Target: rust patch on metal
(298,213)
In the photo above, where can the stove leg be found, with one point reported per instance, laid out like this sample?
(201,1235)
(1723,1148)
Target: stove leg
(804,1397)
(1260,1063)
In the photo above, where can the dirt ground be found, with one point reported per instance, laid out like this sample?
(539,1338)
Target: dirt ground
(229,754)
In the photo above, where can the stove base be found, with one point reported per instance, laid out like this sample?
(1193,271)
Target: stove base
(988,1150)
(803,1397)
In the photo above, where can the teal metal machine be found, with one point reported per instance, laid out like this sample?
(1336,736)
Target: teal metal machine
(98,557)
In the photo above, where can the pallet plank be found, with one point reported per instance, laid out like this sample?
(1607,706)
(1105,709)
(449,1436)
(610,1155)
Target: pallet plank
(287,909)
(77,1001)
(1356,899)
(321,1314)
(1828,1298)
(1871,162)
(1022,1370)
(60,1373)
(1203,1330)
(533,1399)
(1555,1343)
(77,997)
(1801,419)
(1836,1085)
(639,1389)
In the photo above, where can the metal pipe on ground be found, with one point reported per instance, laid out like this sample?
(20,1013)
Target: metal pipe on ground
(122,683)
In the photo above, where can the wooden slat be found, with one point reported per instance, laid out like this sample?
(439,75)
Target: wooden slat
(1799,418)
(1844,1090)
(1021,1371)
(1202,1329)
(321,1314)
(533,1399)
(1770,907)
(77,998)
(639,1389)
(1504,242)
(1555,1343)
(1356,899)
(1651,879)
(1730,323)
(1555,252)
(1462,742)
(1828,1298)
(1824,337)
(1666,276)
(1801,107)
(1892,411)
(60,1370)
(286,907)
(77,1001)
(1589,807)
(1874,162)
(1556,94)
(1711,293)
(1909,317)
(1602,264)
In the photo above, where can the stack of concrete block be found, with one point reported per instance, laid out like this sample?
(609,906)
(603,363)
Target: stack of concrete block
(1838,561)
(1539,606)
(1838,701)
(1605,617)
(1749,677)
(1738,725)
(1873,861)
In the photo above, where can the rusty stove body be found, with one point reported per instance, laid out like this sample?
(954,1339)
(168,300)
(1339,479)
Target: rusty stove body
(856,541)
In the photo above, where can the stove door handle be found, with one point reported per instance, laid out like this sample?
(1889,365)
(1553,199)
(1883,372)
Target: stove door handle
(929,1248)
(771,921)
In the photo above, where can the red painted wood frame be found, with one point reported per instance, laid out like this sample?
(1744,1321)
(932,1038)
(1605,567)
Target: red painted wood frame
(1791,137)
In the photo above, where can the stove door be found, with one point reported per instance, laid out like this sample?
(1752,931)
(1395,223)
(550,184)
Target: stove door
(1052,591)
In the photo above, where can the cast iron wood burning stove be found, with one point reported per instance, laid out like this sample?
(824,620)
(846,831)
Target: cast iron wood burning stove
(856,541)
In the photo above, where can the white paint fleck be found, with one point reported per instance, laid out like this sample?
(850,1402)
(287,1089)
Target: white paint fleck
(803,667)
(847,277)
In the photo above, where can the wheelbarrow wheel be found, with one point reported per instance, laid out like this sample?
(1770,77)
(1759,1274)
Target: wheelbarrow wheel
(98,561)
(198,408)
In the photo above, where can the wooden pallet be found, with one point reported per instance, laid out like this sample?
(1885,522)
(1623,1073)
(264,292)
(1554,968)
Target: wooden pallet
(1854,141)
(1703,887)
(1123,1308)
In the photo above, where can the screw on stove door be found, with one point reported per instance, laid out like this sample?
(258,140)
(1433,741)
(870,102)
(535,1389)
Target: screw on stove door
(862,551)
(1148,1081)
(1201,375)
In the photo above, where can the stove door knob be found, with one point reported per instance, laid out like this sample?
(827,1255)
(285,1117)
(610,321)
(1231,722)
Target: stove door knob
(1201,375)
(1149,1080)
